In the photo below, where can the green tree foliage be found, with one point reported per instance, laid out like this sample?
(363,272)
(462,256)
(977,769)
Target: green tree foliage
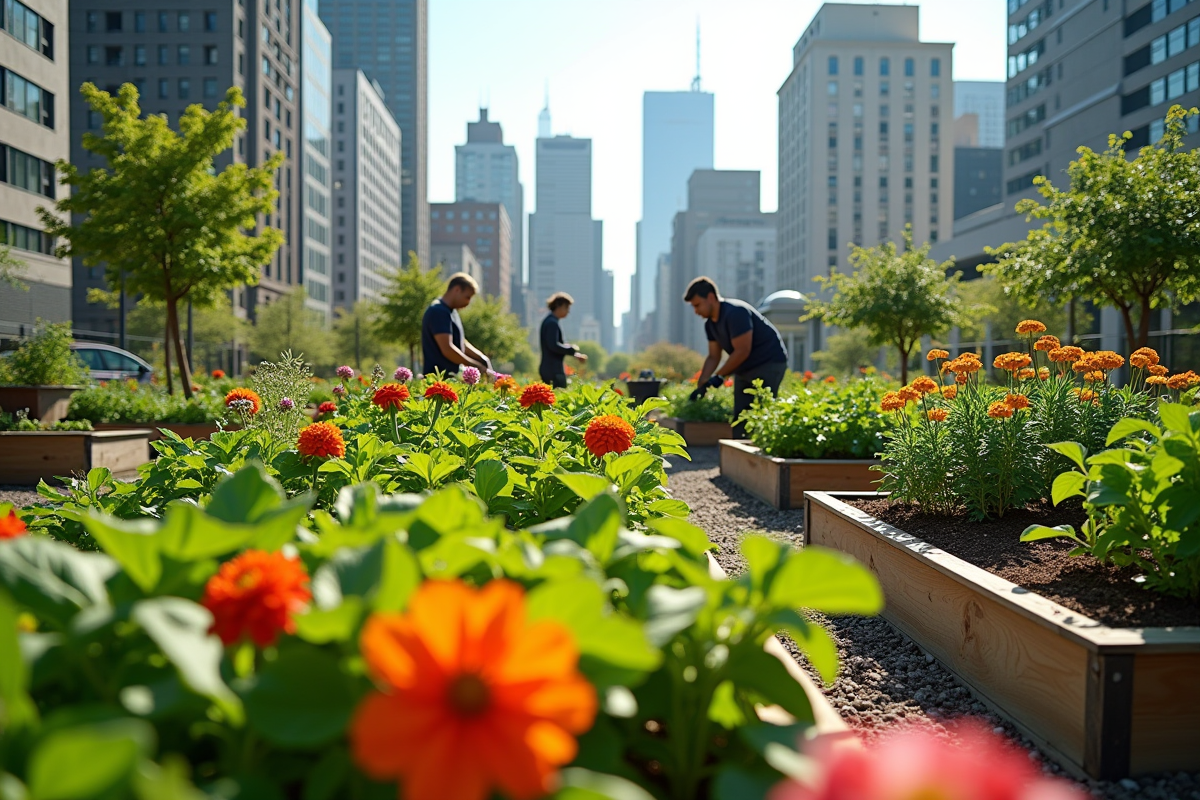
(11,269)
(846,351)
(357,340)
(616,364)
(492,330)
(404,302)
(897,297)
(597,359)
(1124,233)
(217,327)
(45,359)
(668,360)
(1005,309)
(159,217)
(289,324)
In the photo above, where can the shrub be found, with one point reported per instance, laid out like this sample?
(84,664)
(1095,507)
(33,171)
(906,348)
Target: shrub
(133,402)
(672,362)
(820,420)
(715,406)
(46,359)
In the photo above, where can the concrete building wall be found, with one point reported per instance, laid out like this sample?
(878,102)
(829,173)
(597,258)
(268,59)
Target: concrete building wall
(316,102)
(487,230)
(452,258)
(740,260)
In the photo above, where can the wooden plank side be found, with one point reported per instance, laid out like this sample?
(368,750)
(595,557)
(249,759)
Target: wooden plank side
(25,459)
(1035,675)
(832,476)
(1166,713)
(121,453)
(757,474)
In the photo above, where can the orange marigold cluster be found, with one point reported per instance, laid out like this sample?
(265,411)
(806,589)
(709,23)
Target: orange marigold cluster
(1068,354)
(1147,354)
(1044,373)
(1096,376)
(965,364)
(1047,343)
(321,440)
(1156,380)
(256,594)
(441,391)
(1107,359)
(1026,374)
(11,526)
(248,395)
(909,394)
(1012,361)
(537,394)
(1016,401)
(608,434)
(506,384)
(892,401)
(391,395)
(934,355)
(950,392)
(999,410)
(218,374)
(1158,369)
(1183,380)
(925,385)
(1030,326)
(1087,395)
(937,414)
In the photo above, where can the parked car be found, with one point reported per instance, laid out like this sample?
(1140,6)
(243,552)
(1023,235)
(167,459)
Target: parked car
(109,363)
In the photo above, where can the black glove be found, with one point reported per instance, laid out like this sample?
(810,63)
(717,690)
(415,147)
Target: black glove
(716,381)
(698,393)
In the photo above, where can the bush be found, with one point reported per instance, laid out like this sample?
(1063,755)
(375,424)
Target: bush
(20,421)
(672,362)
(133,402)
(820,420)
(45,360)
(715,406)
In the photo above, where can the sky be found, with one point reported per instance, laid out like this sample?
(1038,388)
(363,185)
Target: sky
(597,57)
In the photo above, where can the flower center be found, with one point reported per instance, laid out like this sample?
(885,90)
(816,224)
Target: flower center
(468,695)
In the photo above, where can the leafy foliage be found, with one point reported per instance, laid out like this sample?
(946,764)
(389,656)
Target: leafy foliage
(715,406)
(45,359)
(819,420)
(491,329)
(289,324)
(670,361)
(11,269)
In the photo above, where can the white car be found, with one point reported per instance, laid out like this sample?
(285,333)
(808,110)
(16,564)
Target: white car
(108,363)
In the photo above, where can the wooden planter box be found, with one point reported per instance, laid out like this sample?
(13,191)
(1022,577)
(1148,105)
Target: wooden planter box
(47,403)
(1106,702)
(698,434)
(782,482)
(27,457)
(185,430)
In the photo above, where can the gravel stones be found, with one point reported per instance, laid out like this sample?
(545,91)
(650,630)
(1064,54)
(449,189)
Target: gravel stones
(885,678)
(19,496)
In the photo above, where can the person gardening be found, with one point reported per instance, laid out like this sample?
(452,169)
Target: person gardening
(753,345)
(554,347)
(444,345)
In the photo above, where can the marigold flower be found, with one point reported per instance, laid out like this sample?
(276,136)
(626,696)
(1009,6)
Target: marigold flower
(11,526)
(321,440)
(1047,343)
(328,407)
(608,434)
(1107,359)
(961,378)
(892,401)
(218,374)
(1086,395)
(345,372)
(937,414)
(1016,401)
(1012,361)
(505,384)
(402,374)
(1067,354)
(1088,363)
(925,384)
(909,394)
(1027,374)
(474,700)
(965,364)
(950,392)
(1183,380)
(1044,373)
(1030,326)
(256,594)
(1149,353)
(934,355)
(391,395)
(999,410)
(441,391)
(830,379)
(537,394)
(1157,369)
(249,395)
(1139,361)
(1095,377)
(1156,380)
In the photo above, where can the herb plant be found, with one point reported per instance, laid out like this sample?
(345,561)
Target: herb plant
(820,420)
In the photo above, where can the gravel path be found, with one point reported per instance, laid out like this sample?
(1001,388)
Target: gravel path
(885,678)
(18,495)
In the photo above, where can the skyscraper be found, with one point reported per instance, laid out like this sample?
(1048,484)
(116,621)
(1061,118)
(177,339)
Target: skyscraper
(316,106)
(985,100)
(565,243)
(486,171)
(487,230)
(677,139)
(388,40)
(865,145)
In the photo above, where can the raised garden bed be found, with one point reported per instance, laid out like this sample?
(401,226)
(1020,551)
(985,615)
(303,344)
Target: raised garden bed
(46,403)
(698,434)
(782,482)
(27,457)
(1104,701)
(185,430)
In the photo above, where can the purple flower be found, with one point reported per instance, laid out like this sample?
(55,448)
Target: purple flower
(339,390)
(345,372)
(470,376)
(286,404)
(403,374)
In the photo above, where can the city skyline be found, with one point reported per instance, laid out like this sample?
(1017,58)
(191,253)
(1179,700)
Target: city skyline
(597,67)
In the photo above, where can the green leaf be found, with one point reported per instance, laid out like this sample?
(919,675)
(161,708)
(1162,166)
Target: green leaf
(670,508)
(581,784)
(89,760)
(764,674)
(1175,417)
(811,638)
(245,496)
(828,581)
(670,611)
(599,632)
(626,470)
(166,782)
(53,579)
(584,484)
(724,708)
(739,783)
(97,477)
(762,558)
(321,626)
(1067,484)
(16,708)
(399,578)
(1072,450)
(1035,533)
(694,540)
(491,479)
(327,775)
(134,545)
(1128,427)
(302,699)
(596,526)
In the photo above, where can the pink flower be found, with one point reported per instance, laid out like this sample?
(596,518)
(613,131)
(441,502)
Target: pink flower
(915,763)
(470,376)
(345,373)
(403,374)
(339,390)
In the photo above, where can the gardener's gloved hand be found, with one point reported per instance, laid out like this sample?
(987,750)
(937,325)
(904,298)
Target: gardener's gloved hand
(716,381)
(698,393)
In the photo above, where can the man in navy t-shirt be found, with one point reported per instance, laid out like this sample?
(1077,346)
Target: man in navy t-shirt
(444,346)
(755,348)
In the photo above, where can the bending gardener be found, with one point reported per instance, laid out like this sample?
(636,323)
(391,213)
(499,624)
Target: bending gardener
(554,347)
(444,345)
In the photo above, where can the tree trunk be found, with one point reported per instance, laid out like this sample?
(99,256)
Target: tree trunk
(1127,321)
(1143,326)
(903,364)
(167,357)
(173,325)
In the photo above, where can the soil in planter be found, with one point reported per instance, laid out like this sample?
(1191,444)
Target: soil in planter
(1104,593)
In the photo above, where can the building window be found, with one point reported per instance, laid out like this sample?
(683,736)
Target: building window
(935,68)
(266,66)
(935,91)
(885,66)
(185,55)
(139,22)
(909,68)
(833,65)
(26,98)
(164,55)
(185,22)
(112,21)
(93,54)
(139,55)
(884,88)
(241,63)
(114,56)
(210,87)
(210,55)
(185,88)
(832,89)
(164,88)
(162,22)
(93,21)
(858,65)
(933,163)
(210,21)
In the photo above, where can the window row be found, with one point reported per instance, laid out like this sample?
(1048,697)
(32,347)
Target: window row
(27,26)
(26,98)
(1158,127)
(1029,87)
(1152,12)
(1169,45)
(1030,22)
(1025,152)
(1027,120)
(885,89)
(18,168)
(114,21)
(1026,59)
(1022,183)
(20,237)
(114,56)
(885,66)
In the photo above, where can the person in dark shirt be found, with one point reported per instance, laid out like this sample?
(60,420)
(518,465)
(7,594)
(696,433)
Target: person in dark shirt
(554,347)
(754,347)
(444,346)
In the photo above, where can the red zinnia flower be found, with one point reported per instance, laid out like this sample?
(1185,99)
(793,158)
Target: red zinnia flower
(441,391)
(244,394)
(256,594)
(608,434)
(328,407)
(537,393)
(390,395)
(321,440)
(11,526)
(218,374)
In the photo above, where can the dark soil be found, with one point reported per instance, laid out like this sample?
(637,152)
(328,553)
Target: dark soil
(1105,593)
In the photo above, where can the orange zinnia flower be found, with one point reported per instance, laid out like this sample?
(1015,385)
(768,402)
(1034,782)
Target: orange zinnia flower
(1012,361)
(1070,353)
(830,379)
(938,414)
(1157,369)
(321,440)
(218,374)
(998,410)
(475,699)
(925,385)
(249,395)
(934,355)
(390,395)
(950,392)
(1148,353)
(1047,343)
(537,394)
(441,391)
(505,385)
(608,434)
(328,407)
(11,526)
(256,594)
(1030,326)
(1016,401)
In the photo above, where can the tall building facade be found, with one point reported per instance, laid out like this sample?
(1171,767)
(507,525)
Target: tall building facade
(316,106)
(677,139)
(389,41)
(178,54)
(35,132)
(486,170)
(984,100)
(565,243)
(865,143)
(366,190)
(740,259)
(487,230)
(978,146)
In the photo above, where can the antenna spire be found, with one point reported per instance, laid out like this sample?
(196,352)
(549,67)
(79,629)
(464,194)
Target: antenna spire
(696,80)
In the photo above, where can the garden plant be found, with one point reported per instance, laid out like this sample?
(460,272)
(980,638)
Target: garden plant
(820,419)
